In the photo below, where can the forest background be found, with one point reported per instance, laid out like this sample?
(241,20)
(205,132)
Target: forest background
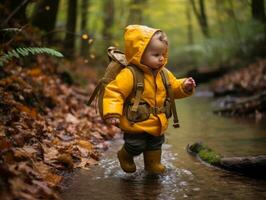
(46,128)
(207,33)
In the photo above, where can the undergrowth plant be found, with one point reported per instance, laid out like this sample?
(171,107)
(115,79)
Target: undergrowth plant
(24,51)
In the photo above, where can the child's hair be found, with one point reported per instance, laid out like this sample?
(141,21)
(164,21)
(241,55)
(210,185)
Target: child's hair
(162,37)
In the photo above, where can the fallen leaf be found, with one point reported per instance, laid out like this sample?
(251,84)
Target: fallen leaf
(71,119)
(85,144)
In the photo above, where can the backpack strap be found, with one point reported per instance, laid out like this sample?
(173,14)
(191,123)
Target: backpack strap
(170,94)
(108,76)
(95,93)
(138,76)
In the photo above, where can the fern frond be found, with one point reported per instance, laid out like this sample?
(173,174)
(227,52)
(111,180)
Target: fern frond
(23,52)
(11,30)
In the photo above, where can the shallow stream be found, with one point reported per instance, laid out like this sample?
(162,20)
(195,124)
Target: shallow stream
(186,177)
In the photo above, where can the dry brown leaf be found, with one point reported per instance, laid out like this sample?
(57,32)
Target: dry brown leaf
(34,72)
(30,111)
(50,154)
(71,119)
(20,154)
(4,143)
(85,144)
(83,152)
(53,179)
(65,136)
(66,160)
(85,163)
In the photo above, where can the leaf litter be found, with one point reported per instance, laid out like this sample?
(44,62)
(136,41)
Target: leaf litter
(46,130)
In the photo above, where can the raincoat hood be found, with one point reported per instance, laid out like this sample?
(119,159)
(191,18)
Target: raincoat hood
(137,38)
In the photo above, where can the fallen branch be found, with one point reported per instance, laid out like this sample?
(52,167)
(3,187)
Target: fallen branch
(253,166)
(243,106)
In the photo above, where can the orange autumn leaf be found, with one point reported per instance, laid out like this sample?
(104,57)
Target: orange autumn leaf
(85,144)
(53,179)
(35,72)
(30,111)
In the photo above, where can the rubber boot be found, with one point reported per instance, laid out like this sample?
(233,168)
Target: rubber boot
(126,161)
(152,161)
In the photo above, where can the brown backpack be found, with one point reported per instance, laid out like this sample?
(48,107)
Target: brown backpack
(135,108)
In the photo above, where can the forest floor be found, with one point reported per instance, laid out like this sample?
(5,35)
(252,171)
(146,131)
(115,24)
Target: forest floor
(47,130)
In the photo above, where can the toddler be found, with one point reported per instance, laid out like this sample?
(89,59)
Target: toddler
(146,49)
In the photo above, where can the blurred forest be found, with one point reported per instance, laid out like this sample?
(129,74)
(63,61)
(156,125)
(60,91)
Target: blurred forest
(207,33)
(46,128)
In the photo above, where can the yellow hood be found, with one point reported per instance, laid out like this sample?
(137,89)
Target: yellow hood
(137,38)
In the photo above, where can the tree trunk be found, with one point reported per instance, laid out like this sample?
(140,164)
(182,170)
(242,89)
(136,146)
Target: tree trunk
(189,26)
(257,10)
(218,15)
(69,43)
(85,4)
(253,166)
(109,12)
(44,16)
(201,17)
(135,12)
(233,16)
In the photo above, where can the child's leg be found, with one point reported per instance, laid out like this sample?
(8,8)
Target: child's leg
(134,145)
(152,154)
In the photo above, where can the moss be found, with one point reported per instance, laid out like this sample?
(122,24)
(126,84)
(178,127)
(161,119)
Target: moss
(205,153)
(210,156)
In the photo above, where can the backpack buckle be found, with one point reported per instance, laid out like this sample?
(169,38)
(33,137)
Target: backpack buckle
(156,110)
(139,85)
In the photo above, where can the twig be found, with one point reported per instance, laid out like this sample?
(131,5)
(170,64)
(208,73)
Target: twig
(14,12)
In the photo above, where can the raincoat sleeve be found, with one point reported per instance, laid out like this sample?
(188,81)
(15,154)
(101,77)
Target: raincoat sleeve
(177,86)
(116,93)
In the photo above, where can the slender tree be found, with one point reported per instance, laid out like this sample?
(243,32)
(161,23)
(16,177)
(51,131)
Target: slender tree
(258,13)
(44,16)
(69,42)
(258,10)
(135,11)
(233,16)
(85,4)
(218,15)
(108,20)
(189,25)
(201,17)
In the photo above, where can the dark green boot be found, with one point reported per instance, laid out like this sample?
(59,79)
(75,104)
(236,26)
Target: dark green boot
(152,161)
(126,161)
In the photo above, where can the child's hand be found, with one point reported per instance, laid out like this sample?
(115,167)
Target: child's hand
(189,84)
(112,121)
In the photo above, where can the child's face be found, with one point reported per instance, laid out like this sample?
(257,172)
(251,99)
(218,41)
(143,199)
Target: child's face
(154,55)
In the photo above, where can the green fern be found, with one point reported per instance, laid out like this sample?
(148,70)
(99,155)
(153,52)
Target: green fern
(26,51)
(11,30)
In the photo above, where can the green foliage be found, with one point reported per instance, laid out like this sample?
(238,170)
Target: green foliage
(26,51)
(233,34)
(235,42)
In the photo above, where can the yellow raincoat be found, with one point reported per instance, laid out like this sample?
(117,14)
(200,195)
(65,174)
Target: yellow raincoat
(136,40)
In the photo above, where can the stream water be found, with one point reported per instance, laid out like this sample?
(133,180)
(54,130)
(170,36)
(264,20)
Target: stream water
(186,177)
